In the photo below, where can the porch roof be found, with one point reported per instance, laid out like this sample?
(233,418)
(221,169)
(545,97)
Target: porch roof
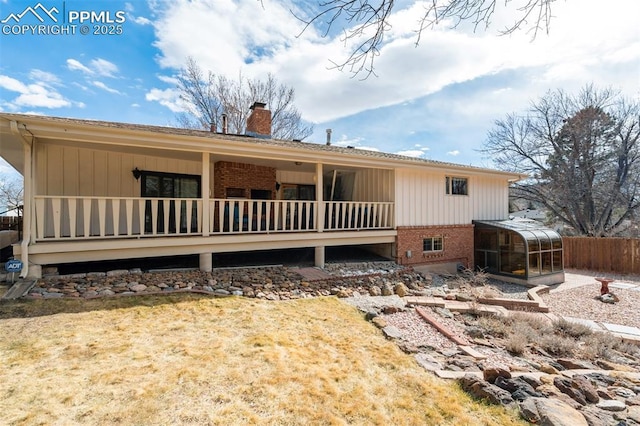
(159,137)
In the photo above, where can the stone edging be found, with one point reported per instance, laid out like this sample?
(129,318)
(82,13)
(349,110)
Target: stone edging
(440,327)
(535,304)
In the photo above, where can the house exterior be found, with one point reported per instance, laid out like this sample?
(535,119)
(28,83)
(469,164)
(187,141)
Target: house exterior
(99,190)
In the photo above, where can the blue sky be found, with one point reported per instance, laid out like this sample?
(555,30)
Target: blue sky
(437,100)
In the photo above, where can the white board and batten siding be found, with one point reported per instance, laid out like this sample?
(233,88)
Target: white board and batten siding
(72,171)
(421,199)
(373,185)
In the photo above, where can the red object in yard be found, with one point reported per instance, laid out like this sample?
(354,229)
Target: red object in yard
(604,289)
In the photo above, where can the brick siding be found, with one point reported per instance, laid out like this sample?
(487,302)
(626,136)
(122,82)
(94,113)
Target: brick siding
(457,245)
(242,175)
(259,121)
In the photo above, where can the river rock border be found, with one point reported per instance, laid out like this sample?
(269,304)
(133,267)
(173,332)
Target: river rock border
(271,283)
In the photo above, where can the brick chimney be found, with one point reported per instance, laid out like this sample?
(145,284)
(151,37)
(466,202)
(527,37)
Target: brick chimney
(259,121)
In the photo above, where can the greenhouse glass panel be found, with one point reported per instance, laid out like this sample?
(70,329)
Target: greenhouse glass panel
(519,248)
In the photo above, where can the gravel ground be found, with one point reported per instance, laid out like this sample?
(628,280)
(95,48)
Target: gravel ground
(417,331)
(581,302)
(510,290)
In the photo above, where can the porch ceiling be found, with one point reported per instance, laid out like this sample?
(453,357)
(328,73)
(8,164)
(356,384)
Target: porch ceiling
(280,164)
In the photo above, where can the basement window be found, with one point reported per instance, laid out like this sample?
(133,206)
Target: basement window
(432,244)
(457,185)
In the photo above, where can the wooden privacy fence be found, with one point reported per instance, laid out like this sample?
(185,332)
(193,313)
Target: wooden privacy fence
(10,222)
(619,255)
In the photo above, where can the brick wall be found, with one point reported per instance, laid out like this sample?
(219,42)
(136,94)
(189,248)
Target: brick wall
(457,246)
(259,121)
(241,175)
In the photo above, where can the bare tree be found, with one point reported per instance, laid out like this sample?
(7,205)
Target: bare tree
(11,192)
(11,197)
(582,154)
(208,97)
(365,22)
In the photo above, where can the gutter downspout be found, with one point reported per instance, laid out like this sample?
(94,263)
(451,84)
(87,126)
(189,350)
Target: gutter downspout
(26,220)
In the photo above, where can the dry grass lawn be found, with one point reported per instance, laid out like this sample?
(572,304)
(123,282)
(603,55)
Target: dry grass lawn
(194,360)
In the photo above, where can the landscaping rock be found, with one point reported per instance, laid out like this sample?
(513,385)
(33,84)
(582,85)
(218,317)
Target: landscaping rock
(400,289)
(428,362)
(566,386)
(379,322)
(632,401)
(551,412)
(518,388)
(574,364)
(374,290)
(548,368)
(633,413)
(597,417)
(491,374)
(587,388)
(387,290)
(392,332)
(622,392)
(611,405)
(481,389)
(117,272)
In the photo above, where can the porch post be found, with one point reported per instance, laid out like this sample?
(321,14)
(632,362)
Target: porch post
(319,202)
(206,259)
(319,256)
(206,262)
(206,226)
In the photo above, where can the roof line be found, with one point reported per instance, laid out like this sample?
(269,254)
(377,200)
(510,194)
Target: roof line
(309,146)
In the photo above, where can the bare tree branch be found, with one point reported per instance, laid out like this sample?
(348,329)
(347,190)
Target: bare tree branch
(208,97)
(11,193)
(364,23)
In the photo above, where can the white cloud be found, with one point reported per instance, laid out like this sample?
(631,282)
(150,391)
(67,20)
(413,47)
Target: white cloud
(170,98)
(455,153)
(345,141)
(97,66)
(103,86)
(32,95)
(103,67)
(581,36)
(75,65)
(417,153)
(368,148)
(44,77)
(169,80)
(140,20)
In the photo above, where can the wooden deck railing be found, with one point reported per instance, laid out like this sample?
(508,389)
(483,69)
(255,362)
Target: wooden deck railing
(104,217)
(70,218)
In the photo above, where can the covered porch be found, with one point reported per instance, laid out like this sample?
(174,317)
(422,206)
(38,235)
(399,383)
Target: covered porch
(95,193)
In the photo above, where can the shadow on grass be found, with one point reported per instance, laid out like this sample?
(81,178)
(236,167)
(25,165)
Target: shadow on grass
(31,308)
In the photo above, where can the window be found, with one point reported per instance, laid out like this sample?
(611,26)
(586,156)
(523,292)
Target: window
(292,191)
(170,185)
(235,193)
(456,185)
(432,244)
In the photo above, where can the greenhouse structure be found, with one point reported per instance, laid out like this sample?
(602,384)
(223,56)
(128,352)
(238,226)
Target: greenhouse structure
(519,250)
